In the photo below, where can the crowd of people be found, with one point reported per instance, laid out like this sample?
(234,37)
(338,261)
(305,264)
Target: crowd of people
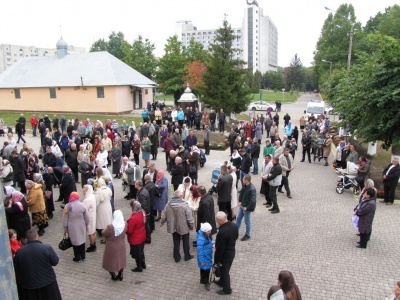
(98,151)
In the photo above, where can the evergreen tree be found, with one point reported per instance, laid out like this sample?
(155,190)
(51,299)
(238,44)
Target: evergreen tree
(294,74)
(256,84)
(223,78)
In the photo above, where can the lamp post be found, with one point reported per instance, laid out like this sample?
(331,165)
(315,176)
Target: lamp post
(351,37)
(283,95)
(330,67)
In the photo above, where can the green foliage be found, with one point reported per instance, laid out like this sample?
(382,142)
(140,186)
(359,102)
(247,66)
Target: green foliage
(99,45)
(195,51)
(274,80)
(140,56)
(368,97)
(256,83)
(223,78)
(115,45)
(387,23)
(294,74)
(171,68)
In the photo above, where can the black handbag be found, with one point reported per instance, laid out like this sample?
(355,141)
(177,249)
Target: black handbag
(65,243)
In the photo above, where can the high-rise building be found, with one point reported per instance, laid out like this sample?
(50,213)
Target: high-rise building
(257,40)
(10,54)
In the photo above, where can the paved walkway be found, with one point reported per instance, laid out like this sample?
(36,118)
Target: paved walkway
(312,236)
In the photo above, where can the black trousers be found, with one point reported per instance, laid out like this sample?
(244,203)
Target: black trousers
(79,252)
(266,192)
(132,191)
(225,277)
(207,147)
(285,183)
(231,147)
(74,171)
(307,150)
(204,276)
(226,207)
(167,158)
(389,191)
(147,226)
(364,238)
(177,243)
(272,196)
(151,219)
(221,126)
(176,186)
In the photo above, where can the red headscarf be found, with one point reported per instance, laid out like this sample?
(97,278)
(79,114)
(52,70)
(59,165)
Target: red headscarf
(160,175)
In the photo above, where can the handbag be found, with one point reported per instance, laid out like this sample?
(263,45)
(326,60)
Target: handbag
(216,270)
(192,169)
(65,243)
(47,194)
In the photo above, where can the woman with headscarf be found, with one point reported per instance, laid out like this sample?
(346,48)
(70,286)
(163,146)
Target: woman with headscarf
(114,257)
(90,203)
(17,214)
(205,253)
(136,232)
(56,149)
(75,221)
(96,149)
(6,175)
(163,134)
(136,148)
(116,156)
(15,244)
(103,196)
(85,168)
(193,164)
(102,156)
(161,198)
(8,190)
(184,187)
(47,192)
(37,206)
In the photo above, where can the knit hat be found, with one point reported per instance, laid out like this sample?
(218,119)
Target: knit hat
(205,227)
(73,196)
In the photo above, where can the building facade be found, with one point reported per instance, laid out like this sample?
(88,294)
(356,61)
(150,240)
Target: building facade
(257,39)
(10,54)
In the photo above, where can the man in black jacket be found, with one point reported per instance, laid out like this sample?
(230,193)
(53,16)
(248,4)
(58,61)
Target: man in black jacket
(143,196)
(274,179)
(151,188)
(221,119)
(19,129)
(255,154)
(391,176)
(213,117)
(225,251)
(246,163)
(231,138)
(224,190)
(205,212)
(151,170)
(67,185)
(71,159)
(18,170)
(33,265)
(247,204)
(177,173)
(306,142)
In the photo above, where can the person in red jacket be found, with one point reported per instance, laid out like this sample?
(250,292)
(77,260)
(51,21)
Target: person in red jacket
(34,124)
(136,232)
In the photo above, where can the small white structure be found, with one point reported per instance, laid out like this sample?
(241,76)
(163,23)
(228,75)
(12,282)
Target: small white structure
(188,99)
(371,149)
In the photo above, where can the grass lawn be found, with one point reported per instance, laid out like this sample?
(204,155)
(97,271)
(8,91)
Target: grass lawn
(162,97)
(271,96)
(10,117)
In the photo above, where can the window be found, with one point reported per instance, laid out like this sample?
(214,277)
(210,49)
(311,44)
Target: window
(146,91)
(183,34)
(17,94)
(53,94)
(100,92)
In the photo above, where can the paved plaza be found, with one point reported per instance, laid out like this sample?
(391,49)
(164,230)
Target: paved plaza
(313,237)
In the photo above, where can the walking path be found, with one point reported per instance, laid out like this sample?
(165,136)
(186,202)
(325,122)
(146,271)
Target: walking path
(312,237)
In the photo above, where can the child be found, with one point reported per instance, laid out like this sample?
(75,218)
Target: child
(205,253)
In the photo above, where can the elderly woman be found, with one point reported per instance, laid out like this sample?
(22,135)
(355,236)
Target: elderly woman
(116,155)
(90,203)
(163,134)
(136,148)
(85,168)
(362,171)
(47,192)
(137,235)
(326,148)
(103,206)
(17,214)
(184,187)
(6,175)
(146,148)
(102,156)
(193,164)
(114,257)
(37,206)
(161,198)
(75,222)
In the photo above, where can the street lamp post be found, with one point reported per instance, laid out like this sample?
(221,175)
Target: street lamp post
(283,95)
(351,37)
(330,67)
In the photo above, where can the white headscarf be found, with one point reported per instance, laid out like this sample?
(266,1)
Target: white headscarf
(8,191)
(118,222)
(89,191)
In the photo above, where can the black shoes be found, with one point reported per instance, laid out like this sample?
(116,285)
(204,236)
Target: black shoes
(245,238)
(148,241)
(271,209)
(275,211)
(362,247)
(189,258)
(76,260)
(302,160)
(222,292)
(137,269)
(280,191)
(290,197)
(92,248)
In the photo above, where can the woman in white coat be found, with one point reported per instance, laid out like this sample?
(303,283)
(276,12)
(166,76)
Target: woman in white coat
(103,206)
(234,193)
(184,187)
(90,203)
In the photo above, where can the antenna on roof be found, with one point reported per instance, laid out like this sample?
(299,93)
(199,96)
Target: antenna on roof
(60,30)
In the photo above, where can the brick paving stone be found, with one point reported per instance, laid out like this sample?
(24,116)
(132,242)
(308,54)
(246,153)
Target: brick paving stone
(312,236)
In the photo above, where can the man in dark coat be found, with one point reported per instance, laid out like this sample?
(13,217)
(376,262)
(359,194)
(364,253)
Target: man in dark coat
(391,176)
(47,122)
(71,159)
(274,179)
(224,190)
(255,154)
(286,119)
(151,188)
(177,173)
(205,212)
(22,120)
(213,117)
(152,171)
(221,119)
(247,204)
(225,251)
(42,132)
(49,159)
(67,185)
(143,196)
(19,129)
(33,265)
(18,170)
(366,213)
(246,164)
(306,142)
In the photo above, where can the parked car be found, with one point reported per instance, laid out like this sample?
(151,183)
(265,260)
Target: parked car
(330,110)
(261,105)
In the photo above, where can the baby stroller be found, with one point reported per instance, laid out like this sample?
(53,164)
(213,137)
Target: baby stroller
(202,158)
(214,177)
(347,179)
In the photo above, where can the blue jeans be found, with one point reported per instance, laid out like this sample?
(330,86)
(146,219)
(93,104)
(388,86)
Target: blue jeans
(255,166)
(34,131)
(247,220)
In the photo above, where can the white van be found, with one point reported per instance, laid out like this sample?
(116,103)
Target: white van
(316,107)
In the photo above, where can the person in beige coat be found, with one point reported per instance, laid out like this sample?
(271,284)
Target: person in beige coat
(327,148)
(37,207)
(287,164)
(103,206)
(90,203)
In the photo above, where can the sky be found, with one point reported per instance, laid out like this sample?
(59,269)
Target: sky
(37,23)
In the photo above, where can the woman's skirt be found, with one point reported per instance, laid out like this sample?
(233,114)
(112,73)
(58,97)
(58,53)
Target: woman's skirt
(39,218)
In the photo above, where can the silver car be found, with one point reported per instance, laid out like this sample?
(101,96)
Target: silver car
(261,105)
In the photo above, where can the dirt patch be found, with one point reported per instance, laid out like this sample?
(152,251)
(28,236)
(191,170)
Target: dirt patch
(217,141)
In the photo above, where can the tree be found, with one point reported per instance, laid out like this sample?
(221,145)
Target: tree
(195,51)
(140,56)
(387,23)
(194,76)
(256,83)
(99,45)
(223,78)
(171,68)
(368,97)
(274,80)
(115,45)
(294,74)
